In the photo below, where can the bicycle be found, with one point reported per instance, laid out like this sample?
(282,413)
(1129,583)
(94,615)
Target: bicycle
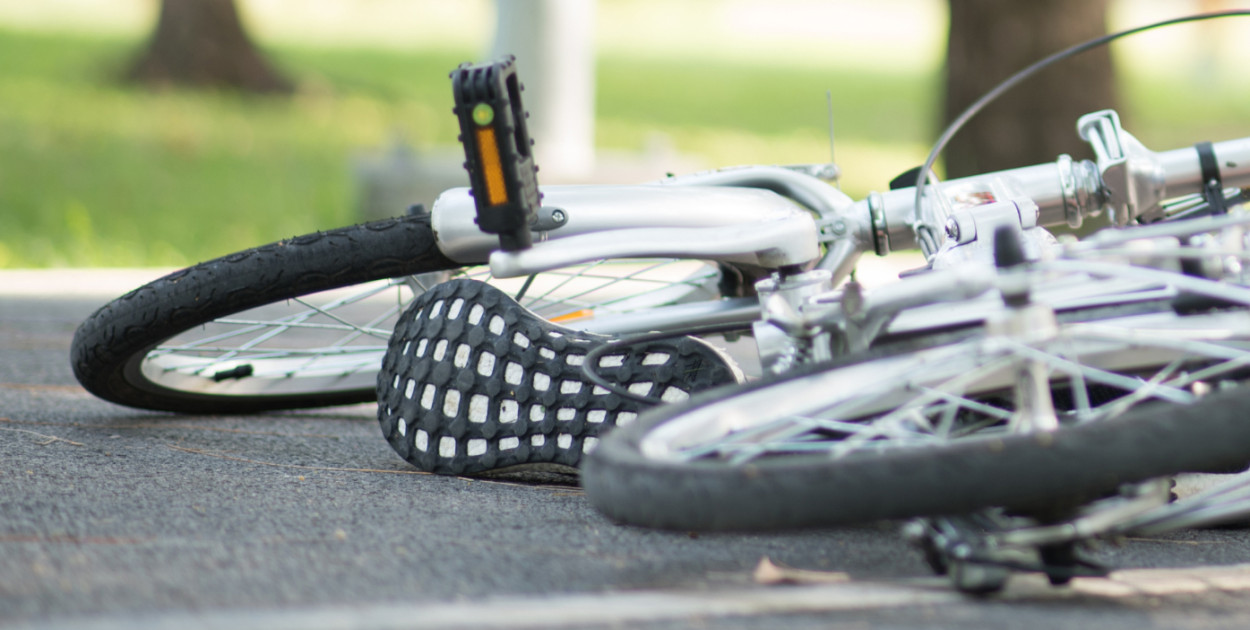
(474,424)
(744,219)
(1043,417)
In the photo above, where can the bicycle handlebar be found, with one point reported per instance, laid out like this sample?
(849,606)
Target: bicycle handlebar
(1127,182)
(1184,174)
(1065,191)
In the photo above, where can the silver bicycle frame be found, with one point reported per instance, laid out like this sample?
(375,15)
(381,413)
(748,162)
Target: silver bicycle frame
(749,214)
(746,226)
(776,217)
(739,225)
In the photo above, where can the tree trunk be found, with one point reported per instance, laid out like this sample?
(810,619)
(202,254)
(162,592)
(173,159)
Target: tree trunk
(202,43)
(1036,121)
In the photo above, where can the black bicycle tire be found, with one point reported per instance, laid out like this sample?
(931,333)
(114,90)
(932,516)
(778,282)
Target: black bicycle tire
(1025,472)
(124,330)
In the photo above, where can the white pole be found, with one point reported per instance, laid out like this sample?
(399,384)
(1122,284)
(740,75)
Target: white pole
(553,41)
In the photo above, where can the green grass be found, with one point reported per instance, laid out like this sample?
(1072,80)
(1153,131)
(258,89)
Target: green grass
(94,173)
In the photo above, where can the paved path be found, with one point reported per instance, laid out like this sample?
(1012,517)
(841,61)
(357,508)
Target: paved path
(116,518)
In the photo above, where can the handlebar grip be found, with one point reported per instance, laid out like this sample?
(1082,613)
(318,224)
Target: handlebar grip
(497,149)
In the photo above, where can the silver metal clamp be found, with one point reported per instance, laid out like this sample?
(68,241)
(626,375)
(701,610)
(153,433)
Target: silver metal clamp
(1133,177)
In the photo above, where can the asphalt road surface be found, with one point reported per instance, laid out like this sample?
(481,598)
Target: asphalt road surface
(117,518)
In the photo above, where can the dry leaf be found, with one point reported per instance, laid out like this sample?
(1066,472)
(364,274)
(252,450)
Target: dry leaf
(768,572)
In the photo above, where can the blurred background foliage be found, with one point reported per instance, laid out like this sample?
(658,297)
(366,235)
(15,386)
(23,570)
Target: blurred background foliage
(96,172)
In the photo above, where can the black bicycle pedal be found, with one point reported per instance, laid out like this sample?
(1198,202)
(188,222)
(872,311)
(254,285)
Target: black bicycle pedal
(498,150)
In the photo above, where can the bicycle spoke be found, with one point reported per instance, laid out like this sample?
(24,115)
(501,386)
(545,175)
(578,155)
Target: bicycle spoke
(274,328)
(346,333)
(326,312)
(574,301)
(975,397)
(580,272)
(1092,374)
(294,320)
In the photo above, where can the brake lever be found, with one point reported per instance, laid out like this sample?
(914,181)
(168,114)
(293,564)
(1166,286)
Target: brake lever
(1132,175)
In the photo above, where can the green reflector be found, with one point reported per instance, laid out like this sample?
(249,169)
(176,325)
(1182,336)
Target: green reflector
(483,114)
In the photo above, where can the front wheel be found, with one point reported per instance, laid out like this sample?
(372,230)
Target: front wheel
(986,422)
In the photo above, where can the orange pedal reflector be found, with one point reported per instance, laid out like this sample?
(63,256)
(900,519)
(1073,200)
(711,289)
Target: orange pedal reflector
(492,167)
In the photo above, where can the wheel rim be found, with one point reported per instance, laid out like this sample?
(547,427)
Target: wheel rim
(334,341)
(969,390)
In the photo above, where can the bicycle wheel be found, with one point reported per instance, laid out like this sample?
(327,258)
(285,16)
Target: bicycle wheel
(943,430)
(304,322)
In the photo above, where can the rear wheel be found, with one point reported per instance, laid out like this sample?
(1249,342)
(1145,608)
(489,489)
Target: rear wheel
(305,322)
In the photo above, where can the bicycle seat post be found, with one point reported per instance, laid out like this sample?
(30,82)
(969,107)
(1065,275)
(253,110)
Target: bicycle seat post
(498,150)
